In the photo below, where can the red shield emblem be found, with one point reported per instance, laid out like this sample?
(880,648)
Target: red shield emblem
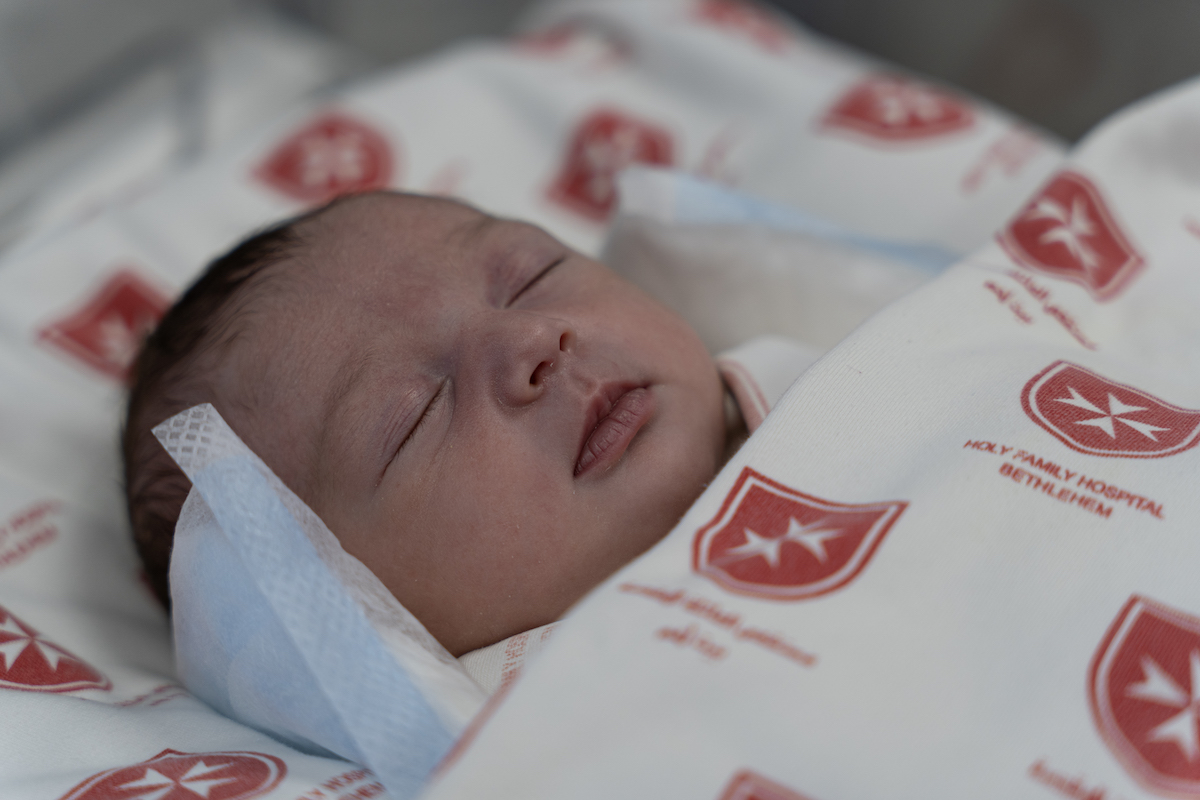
(606,142)
(172,775)
(1145,695)
(773,542)
(32,663)
(743,19)
(108,330)
(1067,231)
(549,41)
(1091,414)
(747,785)
(585,41)
(891,108)
(333,155)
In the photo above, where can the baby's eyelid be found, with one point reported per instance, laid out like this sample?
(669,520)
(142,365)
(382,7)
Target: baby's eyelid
(532,281)
(420,423)
(424,416)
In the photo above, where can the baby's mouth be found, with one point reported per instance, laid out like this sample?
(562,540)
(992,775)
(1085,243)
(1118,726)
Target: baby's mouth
(614,417)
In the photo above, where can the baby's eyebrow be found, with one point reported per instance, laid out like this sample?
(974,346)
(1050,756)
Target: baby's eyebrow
(349,375)
(342,416)
(369,409)
(511,248)
(470,232)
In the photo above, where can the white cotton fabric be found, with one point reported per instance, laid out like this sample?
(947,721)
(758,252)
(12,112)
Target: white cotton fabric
(738,267)
(960,660)
(497,665)
(759,372)
(775,84)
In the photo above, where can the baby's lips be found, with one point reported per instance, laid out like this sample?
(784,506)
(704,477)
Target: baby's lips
(614,428)
(604,397)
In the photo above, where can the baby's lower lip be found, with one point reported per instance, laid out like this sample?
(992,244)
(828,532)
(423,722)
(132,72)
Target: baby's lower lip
(614,431)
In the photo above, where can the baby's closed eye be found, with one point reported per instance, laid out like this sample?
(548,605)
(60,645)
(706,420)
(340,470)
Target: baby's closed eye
(412,431)
(425,414)
(537,277)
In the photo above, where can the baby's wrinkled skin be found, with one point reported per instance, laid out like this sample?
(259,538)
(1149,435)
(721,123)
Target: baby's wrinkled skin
(491,422)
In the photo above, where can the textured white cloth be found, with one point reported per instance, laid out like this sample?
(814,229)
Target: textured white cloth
(737,267)
(498,665)
(759,372)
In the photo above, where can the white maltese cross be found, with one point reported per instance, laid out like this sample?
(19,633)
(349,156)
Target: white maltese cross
(811,537)
(1158,687)
(1072,230)
(1116,412)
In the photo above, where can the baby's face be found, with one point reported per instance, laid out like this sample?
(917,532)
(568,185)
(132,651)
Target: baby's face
(490,421)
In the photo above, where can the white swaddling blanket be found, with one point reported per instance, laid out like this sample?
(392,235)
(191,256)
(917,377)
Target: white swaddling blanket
(959,558)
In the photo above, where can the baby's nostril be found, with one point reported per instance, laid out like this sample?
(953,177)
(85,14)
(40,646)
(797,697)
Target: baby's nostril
(539,373)
(565,341)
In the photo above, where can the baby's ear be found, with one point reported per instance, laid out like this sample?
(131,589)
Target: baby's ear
(155,493)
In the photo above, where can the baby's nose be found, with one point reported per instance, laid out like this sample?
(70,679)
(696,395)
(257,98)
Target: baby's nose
(533,350)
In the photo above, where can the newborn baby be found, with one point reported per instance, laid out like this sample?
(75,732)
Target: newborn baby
(489,421)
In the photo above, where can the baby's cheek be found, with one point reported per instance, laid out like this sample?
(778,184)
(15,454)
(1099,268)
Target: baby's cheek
(495,498)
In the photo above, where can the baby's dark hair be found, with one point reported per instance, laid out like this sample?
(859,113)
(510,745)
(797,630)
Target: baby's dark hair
(169,376)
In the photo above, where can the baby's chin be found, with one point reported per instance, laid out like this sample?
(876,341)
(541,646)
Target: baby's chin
(690,479)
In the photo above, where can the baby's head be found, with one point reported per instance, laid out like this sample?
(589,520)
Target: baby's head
(489,421)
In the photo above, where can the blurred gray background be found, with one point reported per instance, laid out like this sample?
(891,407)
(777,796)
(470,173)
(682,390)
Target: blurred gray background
(1063,64)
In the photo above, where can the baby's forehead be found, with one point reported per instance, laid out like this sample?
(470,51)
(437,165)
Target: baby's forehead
(395,216)
(365,260)
(387,236)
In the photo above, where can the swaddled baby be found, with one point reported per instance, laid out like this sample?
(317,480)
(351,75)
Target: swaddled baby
(489,421)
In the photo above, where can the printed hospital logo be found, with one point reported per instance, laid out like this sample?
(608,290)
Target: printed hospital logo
(333,155)
(31,663)
(1067,231)
(1145,695)
(586,42)
(747,785)
(891,108)
(604,143)
(172,775)
(747,20)
(773,542)
(106,332)
(1092,414)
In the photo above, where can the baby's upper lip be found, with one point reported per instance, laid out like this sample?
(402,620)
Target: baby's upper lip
(599,405)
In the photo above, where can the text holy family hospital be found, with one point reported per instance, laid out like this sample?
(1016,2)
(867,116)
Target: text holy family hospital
(1064,493)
